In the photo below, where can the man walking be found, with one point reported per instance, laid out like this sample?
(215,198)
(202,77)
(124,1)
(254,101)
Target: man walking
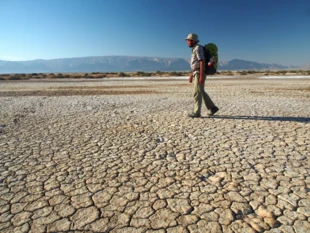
(199,77)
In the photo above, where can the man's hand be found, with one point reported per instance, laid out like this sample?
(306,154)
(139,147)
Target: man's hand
(190,78)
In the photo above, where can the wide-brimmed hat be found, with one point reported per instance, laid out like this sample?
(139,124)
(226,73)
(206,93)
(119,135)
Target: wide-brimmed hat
(193,37)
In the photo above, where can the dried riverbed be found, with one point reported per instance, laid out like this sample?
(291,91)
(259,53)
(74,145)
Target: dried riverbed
(122,156)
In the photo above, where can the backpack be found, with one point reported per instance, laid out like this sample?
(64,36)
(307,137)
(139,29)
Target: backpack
(211,58)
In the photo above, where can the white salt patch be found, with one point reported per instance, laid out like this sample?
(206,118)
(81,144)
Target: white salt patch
(274,77)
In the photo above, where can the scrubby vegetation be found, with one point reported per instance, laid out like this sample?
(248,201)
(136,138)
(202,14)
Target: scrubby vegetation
(103,75)
(15,77)
(122,74)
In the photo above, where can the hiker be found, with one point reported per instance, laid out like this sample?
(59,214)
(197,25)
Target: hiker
(199,77)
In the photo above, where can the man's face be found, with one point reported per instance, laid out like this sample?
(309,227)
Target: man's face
(190,43)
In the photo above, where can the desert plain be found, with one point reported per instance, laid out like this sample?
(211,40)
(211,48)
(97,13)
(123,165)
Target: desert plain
(121,155)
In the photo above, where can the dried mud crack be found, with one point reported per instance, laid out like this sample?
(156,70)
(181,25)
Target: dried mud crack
(115,156)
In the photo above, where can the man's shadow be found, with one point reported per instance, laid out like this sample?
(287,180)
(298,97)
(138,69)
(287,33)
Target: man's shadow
(263,118)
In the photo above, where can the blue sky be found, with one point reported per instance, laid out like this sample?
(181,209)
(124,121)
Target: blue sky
(271,31)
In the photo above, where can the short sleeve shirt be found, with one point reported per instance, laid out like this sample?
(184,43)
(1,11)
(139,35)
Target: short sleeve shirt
(197,55)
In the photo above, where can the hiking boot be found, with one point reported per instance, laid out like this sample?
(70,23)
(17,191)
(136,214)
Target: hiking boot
(213,111)
(194,115)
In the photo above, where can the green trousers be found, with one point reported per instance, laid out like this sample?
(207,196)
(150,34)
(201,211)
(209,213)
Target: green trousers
(199,94)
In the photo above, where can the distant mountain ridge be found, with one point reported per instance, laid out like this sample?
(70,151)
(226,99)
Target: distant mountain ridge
(123,64)
(304,67)
(237,64)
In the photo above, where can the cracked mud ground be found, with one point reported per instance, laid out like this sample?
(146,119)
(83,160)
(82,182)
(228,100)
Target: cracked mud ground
(122,156)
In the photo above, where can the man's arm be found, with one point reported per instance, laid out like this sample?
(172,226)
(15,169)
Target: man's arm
(202,71)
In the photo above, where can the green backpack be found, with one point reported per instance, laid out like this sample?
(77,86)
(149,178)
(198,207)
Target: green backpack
(211,58)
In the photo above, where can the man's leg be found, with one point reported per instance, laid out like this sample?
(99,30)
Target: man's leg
(198,92)
(209,103)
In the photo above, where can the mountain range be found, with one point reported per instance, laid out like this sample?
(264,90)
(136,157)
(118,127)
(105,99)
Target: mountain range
(123,64)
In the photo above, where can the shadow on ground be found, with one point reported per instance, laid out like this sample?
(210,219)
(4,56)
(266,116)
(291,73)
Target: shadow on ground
(263,118)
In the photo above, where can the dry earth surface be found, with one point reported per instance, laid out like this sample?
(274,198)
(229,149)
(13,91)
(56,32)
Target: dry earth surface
(122,156)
